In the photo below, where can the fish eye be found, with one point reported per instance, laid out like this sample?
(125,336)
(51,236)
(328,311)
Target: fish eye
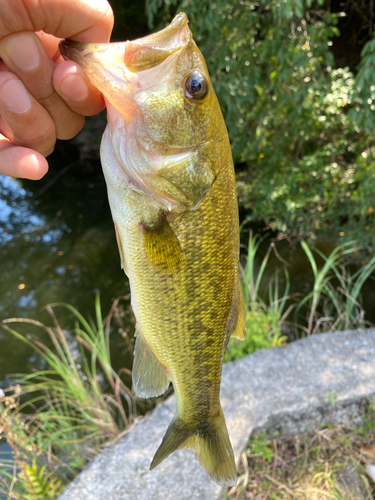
(195,86)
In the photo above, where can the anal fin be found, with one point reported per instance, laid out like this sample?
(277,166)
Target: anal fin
(149,376)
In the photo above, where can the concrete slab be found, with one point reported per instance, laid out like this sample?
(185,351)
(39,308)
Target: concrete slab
(322,379)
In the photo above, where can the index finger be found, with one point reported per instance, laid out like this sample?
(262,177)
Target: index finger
(81,20)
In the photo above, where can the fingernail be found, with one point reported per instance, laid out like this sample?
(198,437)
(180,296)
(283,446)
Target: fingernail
(22,51)
(74,88)
(14,96)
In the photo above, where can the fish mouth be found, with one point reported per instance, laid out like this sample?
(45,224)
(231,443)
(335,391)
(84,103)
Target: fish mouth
(122,72)
(137,55)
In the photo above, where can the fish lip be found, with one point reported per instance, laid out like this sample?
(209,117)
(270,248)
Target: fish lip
(77,51)
(68,47)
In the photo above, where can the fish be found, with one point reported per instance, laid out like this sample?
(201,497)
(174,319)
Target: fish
(167,162)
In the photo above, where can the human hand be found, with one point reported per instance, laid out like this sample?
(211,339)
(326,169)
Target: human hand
(43,97)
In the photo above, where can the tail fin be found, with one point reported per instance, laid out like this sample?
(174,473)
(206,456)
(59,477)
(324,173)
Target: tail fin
(210,442)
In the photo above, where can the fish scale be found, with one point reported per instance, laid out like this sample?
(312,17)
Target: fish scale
(167,162)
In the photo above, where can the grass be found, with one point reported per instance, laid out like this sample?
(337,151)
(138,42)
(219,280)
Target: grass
(332,304)
(57,419)
(327,464)
(340,308)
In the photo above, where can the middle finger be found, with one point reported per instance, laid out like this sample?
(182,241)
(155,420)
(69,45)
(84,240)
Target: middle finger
(24,55)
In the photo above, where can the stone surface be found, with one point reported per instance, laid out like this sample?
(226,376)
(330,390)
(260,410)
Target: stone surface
(350,482)
(322,379)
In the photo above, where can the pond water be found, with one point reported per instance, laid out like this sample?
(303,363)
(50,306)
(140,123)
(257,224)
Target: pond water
(57,244)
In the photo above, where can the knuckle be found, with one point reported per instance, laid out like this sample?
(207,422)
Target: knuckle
(42,90)
(47,96)
(40,138)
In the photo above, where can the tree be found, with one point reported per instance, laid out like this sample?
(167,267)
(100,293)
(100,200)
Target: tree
(295,122)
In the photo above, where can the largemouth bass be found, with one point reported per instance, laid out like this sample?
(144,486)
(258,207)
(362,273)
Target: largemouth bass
(167,162)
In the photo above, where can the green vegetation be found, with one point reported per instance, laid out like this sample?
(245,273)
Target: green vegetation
(260,445)
(60,417)
(302,129)
(333,304)
(329,463)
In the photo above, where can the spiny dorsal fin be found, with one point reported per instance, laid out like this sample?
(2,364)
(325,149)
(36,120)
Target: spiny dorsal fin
(150,378)
(161,244)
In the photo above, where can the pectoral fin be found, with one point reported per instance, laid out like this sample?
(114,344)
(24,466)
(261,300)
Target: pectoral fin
(149,376)
(161,244)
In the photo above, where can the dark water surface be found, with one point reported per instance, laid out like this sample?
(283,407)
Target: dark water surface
(57,244)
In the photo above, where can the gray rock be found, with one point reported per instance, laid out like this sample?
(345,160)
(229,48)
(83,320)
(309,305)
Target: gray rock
(350,483)
(322,379)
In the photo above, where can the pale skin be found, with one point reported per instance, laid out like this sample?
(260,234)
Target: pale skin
(43,97)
